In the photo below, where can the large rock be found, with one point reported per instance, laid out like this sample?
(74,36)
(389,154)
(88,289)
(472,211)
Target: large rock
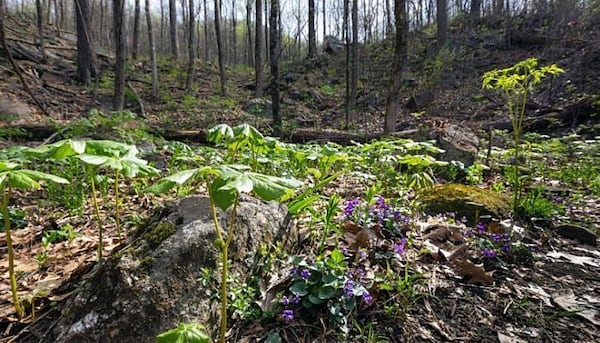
(464,201)
(151,284)
(13,110)
(459,142)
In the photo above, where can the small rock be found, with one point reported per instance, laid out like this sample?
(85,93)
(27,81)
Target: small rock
(578,233)
(258,106)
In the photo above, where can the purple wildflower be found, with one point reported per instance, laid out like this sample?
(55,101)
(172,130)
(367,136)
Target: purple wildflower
(380,202)
(489,253)
(367,298)
(350,206)
(362,253)
(399,248)
(397,215)
(296,299)
(481,228)
(288,315)
(360,272)
(469,233)
(506,247)
(305,274)
(293,270)
(497,237)
(349,288)
(285,301)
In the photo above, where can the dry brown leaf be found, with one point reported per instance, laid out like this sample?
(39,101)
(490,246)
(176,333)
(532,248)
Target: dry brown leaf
(472,272)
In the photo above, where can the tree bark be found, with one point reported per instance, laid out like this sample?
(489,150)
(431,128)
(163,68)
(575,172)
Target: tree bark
(152,51)
(347,66)
(205,31)
(312,37)
(173,29)
(40,29)
(220,55)
(354,75)
(275,50)
(135,44)
(392,101)
(324,18)
(85,56)
(475,11)
(191,56)
(249,54)
(120,54)
(258,50)
(442,23)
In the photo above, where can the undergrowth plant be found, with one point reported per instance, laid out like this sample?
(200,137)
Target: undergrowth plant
(515,84)
(225,183)
(14,176)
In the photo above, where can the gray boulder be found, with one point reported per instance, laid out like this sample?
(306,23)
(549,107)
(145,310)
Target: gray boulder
(150,285)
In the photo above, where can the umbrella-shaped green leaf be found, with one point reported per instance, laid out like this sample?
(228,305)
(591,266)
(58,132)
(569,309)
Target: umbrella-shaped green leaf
(219,133)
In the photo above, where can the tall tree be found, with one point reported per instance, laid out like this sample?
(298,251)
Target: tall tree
(346,35)
(205,31)
(152,47)
(392,102)
(275,49)
(120,53)
(312,37)
(135,44)
(475,10)
(248,50)
(324,18)
(85,57)
(40,29)
(442,23)
(191,51)
(220,55)
(173,29)
(258,50)
(354,61)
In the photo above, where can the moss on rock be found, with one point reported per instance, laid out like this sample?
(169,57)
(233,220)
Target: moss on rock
(159,232)
(468,201)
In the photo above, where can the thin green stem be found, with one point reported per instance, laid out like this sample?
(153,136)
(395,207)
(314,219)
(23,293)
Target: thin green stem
(98,219)
(11,255)
(117,218)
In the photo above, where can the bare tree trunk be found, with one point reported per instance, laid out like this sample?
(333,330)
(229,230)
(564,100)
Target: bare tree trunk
(40,29)
(312,37)
(275,49)
(258,50)
(475,11)
(85,56)
(191,58)
(152,51)
(249,58)
(234,56)
(120,54)
(347,66)
(135,44)
(205,32)
(324,19)
(442,23)
(393,96)
(173,29)
(354,76)
(220,47)
(388,17)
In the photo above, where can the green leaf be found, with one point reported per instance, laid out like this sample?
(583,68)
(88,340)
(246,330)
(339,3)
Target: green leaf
(314,299)
(36,175)
(223,198)
(326,292)
(220,133)
(5,165)
(337,256)
(184,333)
(22,181)
(300,288)
(241,184)
(300,204)
(95,160)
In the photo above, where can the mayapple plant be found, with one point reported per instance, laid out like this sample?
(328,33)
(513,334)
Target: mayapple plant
(12,175)
(515,83)
(96,155)
(224,184)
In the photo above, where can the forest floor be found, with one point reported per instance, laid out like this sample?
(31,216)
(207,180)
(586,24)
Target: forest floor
(552,297)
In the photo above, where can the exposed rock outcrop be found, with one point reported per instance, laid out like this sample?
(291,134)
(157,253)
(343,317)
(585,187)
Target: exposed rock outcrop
(151,285)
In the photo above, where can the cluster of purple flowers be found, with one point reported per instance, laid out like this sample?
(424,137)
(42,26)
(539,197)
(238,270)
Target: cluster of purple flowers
(380,212)
(500,241)
(399,248)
